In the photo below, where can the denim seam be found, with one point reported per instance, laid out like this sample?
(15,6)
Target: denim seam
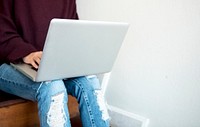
(38,90)
(21,85)
(86,100)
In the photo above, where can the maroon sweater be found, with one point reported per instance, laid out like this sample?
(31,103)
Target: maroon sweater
(24,25)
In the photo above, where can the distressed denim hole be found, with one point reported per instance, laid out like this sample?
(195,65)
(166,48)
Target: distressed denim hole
(56,116)
(102,105)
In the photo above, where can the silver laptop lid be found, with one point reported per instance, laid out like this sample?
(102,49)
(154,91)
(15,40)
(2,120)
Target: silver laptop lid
(76,48)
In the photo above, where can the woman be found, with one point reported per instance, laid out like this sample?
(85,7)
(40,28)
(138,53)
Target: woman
(23,28)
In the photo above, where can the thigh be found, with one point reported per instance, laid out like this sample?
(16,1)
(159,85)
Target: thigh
(13,82)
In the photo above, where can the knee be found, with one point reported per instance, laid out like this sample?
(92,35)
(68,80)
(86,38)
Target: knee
(87,83)
(50,89)
(93,82)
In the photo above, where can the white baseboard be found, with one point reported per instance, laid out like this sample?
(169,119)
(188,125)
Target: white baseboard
(122,118)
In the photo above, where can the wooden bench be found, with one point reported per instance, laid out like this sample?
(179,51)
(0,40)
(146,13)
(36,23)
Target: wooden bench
(18,112)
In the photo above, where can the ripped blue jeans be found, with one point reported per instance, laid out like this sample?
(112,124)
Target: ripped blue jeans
(52,97)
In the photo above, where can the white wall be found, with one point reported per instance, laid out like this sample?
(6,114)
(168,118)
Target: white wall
(157,73)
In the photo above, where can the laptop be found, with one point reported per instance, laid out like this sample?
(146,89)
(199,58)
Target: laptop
(76,48)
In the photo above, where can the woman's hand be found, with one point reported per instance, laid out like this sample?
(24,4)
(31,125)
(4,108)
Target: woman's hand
(33,59)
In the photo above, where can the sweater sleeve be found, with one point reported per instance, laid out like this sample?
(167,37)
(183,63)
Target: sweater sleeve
(12,45)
